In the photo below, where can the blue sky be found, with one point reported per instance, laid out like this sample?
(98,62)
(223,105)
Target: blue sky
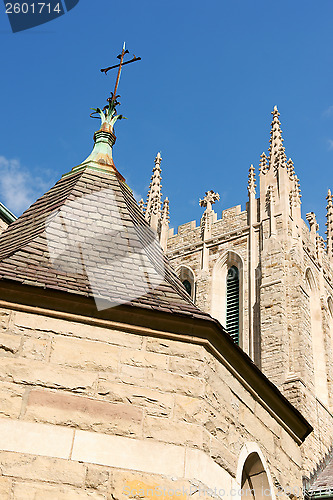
(210,75)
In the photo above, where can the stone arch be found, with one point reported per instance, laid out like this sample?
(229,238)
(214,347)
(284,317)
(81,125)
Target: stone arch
(317,338)
(186,274)
(310,281)
(330,306)
(253,476)
(219,291)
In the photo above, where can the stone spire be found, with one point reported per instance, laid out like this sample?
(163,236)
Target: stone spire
(263,164)
(314,227)
(165,218)
(251,186)
(329,224)
(165,211)
(155,215)
(206,224)
(157,218)
(153,208)
(277,156)
(142,206)
(291,169)
(298,195)
(280,185)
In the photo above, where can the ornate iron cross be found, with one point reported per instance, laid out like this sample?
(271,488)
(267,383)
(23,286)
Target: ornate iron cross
(119,66)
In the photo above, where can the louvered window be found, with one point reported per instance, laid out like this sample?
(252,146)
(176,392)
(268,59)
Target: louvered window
(188,287)
(233,303)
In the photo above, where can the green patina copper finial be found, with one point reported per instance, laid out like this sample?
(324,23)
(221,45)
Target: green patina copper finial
(100,159)
(108,114)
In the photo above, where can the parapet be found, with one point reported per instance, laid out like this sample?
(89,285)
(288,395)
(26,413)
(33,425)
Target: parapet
(231,212)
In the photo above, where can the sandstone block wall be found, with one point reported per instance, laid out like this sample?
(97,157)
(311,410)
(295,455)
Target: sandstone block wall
(87,410)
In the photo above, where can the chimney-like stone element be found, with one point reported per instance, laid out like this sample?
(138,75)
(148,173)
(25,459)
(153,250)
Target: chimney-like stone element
(329,225)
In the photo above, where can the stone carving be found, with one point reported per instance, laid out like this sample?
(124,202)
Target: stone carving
(251,186)
(210,198)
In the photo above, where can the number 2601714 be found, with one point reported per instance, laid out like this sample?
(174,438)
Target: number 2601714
(32,8)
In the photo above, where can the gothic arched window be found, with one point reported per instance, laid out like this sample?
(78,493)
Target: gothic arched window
(255,483)
(186,276)
(232,312)
(188,287)
(227,296)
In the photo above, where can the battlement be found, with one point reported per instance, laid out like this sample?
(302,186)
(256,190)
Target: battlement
(190,235)
(188,226)
(230,216)
(231,212)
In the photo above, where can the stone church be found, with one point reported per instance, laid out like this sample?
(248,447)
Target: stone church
(204,371)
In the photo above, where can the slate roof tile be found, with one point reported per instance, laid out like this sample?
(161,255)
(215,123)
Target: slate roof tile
(323,480)
(87,235)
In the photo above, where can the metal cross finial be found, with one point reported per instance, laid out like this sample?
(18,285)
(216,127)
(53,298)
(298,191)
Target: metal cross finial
(108,114)
(119,66)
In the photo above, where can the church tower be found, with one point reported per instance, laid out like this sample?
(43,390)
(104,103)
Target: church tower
(267,276)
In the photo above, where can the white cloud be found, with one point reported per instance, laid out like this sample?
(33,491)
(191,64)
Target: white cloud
(137,196)
(330,144)
(19,188)
(328,112)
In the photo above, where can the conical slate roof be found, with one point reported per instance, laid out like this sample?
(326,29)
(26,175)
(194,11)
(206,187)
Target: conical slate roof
(87,236)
